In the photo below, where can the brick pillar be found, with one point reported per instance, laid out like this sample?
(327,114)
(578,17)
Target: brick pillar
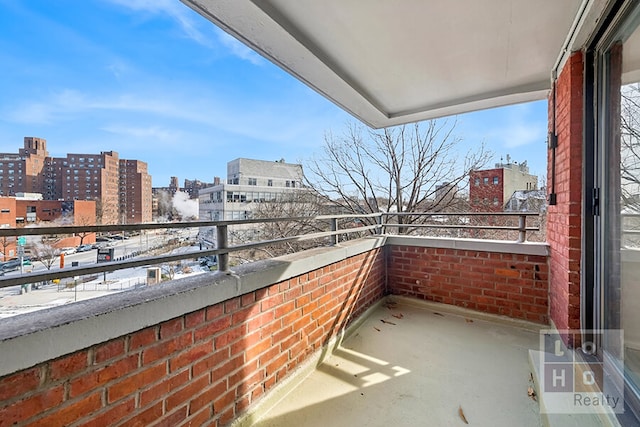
(565,218)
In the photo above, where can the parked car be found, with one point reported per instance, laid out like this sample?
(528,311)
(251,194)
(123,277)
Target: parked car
(14,264)
(208,261)
(84,248)
(67,251)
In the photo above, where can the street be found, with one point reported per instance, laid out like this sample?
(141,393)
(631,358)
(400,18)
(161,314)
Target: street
(14,300)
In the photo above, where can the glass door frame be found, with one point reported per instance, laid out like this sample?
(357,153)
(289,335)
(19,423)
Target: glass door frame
(602,82)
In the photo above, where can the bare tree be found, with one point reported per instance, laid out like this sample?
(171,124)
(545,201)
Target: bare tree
(408,168)
(45,251)
(630,146)
(84,221)
(5,244)
(303,204)
(630,162)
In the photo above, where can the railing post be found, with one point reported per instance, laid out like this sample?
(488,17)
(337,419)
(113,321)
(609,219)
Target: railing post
(222,243)
(334,227)
(380,221)
(522,228)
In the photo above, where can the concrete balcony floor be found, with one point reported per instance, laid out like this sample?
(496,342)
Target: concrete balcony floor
(419,367)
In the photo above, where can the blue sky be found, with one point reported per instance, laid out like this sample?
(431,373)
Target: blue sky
(154,81)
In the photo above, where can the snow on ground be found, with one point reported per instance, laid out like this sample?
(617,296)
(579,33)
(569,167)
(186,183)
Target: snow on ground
(14,300)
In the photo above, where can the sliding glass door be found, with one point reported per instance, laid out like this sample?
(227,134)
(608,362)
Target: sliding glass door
(617,229)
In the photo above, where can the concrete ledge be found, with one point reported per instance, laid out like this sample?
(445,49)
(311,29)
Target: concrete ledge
(29,339)
(565,420)
(526,248)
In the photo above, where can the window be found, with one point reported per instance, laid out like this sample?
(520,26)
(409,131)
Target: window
(253,181)
(485,180)
(495,201)
(496,180)
(616,161)
(270,183)
(477,181)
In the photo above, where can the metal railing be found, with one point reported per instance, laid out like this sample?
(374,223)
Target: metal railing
(378,223)
(521,228)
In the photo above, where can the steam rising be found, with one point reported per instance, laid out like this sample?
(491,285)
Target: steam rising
(187,208)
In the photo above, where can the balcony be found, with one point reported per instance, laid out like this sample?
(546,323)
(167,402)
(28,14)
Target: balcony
(393,321)
(424,365)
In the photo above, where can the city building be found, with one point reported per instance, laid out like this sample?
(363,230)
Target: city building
(248,183)
(22,172)
(527,201)
(163,207)
(173,185)
(445,195)
(491,189)
(135,192)
(277,328)
(96,177)
(193,187)
(29,209)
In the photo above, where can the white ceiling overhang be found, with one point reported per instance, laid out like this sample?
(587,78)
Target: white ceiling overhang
(389,62)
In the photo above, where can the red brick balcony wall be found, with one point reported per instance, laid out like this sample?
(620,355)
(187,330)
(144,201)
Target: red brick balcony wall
(204,367)
(514,285)
(564,220)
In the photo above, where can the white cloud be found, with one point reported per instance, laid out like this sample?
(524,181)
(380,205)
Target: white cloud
(238,49)
(520,134)
(165,114)
(171,8)
(118,68)
(189,23)
(518,129)
(155,133)
(49,110)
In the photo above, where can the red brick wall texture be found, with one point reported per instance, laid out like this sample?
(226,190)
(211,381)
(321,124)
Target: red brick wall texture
(205,367)
(498,283)
(564,220)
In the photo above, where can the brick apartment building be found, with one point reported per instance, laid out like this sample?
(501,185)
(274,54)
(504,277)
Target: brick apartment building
(135,192)
(193,187)
(491,189)
(25,210)
(97,177)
